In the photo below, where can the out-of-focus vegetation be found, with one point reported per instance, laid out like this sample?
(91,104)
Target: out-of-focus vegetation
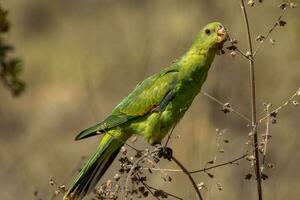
(82,57)
(10,67)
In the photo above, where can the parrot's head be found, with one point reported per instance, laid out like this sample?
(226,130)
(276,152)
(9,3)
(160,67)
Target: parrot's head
(212,36)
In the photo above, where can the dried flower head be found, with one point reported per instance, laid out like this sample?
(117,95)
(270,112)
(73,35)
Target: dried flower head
(251,3)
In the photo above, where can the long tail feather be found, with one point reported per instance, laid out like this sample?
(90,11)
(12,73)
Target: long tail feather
(94,169)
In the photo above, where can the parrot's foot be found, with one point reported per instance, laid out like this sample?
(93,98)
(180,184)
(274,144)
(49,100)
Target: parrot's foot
(166,153)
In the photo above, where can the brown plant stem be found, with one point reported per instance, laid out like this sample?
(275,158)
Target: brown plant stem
(219,165)
(234,161)
(169,194)
(189,176)
(253,104)
(276,24)
(242,116)
(133,168)
(266,138)
(287,102)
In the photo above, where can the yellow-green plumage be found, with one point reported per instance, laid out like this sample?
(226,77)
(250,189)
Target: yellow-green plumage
(154,107)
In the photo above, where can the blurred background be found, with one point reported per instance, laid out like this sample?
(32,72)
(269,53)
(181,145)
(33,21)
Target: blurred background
(82,57)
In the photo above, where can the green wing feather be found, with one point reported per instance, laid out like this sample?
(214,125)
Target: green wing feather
(143,99)
(110,122)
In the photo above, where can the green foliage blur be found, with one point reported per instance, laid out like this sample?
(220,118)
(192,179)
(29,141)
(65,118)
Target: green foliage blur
(10,67)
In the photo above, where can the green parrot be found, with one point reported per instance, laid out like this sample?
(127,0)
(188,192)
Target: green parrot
(152,109)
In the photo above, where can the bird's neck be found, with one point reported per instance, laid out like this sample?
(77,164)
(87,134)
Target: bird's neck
(195,63)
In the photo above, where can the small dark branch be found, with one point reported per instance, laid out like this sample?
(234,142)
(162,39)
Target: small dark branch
(242,116)
(269,32)
(243,54)
(169,194)
(189,176)
(149,189)
(253,103)
(233,47)
(169,136)
(231,162)
(219,165)
(266,137)
(133,168)
(287,102)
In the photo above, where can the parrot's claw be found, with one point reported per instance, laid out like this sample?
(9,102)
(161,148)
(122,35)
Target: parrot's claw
(166,153)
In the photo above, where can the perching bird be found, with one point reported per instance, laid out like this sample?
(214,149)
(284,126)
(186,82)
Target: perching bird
(152,109)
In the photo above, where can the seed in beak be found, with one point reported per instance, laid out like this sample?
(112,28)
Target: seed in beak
(222,35)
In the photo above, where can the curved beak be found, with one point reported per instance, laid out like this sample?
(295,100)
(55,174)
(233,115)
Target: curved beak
(222,34)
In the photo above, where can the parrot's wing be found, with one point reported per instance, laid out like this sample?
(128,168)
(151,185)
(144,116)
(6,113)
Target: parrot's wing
(148,94)
(151,95)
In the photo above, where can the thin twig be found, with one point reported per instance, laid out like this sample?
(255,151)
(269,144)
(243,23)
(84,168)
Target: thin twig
(242,116)
(169,194)
(133,168)
(266,137)
(236,48)
(189,176)
(148,188)
(157,167)
(243,54)
(253,103)
(169,136)
(219,165)
(173,159)
(204,169)
(297,93)
(269,33)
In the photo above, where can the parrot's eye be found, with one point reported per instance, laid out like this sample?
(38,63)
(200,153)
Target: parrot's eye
(207,31)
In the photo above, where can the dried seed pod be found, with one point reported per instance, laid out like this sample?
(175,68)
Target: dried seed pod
(260,38)
(116,177)
(293,5)
(251,3)
(270,165)
(248,53)
(233,54)
(283,6)
(282,23)
(250,157)
(248,176)
(200,185)
(272,41)
(295,103)
(219,186)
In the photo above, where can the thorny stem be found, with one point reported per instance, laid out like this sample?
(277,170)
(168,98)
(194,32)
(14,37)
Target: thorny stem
(189,176)
(253,103)
(242,116)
